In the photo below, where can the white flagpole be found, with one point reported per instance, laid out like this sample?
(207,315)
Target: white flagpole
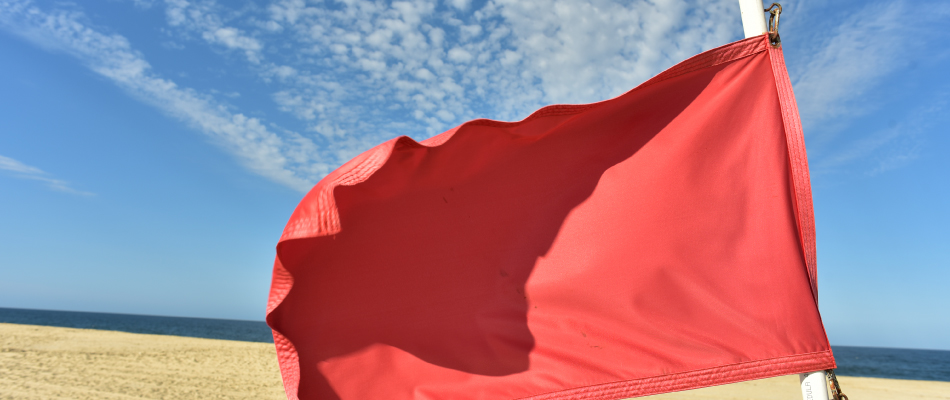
(753,17)
(814,384)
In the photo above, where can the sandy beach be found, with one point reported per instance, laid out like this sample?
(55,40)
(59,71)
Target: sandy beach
(38,362)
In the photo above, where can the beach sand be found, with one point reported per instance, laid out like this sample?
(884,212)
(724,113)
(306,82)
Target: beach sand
(38,362)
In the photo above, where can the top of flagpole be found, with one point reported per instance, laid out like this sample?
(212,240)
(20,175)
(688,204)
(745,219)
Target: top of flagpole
(753,17)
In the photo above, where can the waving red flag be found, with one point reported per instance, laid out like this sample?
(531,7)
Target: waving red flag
(659,241)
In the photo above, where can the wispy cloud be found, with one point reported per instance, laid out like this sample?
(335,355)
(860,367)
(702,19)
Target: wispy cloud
(23,171)
(841,65)
(892,147)
(111,56)
(852,59)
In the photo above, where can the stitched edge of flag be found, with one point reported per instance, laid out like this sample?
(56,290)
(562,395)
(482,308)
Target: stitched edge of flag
(317,214)
(798,161)
(726,374)
(798,169)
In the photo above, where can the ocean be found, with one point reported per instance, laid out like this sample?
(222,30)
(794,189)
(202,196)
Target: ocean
(227,329)
(877,362)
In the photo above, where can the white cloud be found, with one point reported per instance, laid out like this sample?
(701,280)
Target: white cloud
(23,171)
(283,72)
(233,38)
(287,10)
(460,4)
(470,31)
(459,55)
(204,18)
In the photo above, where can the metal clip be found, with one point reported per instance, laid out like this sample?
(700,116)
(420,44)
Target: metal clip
(836,393)
(776,11)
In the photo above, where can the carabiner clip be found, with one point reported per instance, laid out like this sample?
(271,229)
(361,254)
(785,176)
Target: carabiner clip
(836,393)
(776,11)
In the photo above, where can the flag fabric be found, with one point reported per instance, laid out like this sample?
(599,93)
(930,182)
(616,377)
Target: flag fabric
(662,240)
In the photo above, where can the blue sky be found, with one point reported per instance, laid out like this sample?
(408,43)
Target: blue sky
(151,152)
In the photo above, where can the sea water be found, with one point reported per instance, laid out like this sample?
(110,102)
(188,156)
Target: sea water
(882,362)
(930,365)
(227,329)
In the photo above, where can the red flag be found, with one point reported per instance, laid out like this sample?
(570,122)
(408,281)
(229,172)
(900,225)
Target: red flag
(659,241)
